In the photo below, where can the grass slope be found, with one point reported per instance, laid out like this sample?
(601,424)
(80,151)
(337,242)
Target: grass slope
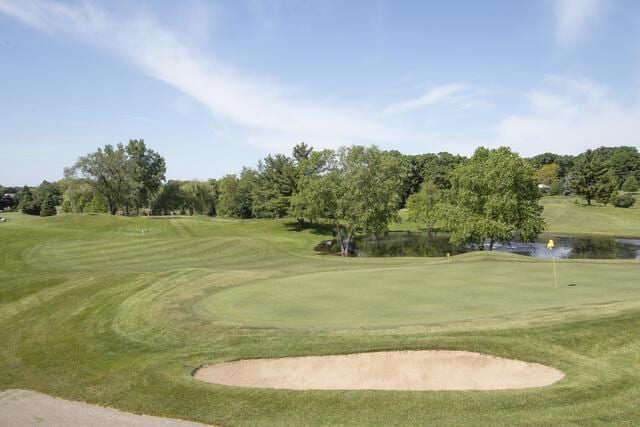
(109,310)
(564,216)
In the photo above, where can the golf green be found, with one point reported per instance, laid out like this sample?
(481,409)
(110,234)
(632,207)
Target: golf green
(473,287)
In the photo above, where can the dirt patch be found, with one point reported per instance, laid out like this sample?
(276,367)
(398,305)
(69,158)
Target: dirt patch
(27,408)
(397,370)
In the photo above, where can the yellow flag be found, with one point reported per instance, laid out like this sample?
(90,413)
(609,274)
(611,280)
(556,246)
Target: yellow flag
(550,245)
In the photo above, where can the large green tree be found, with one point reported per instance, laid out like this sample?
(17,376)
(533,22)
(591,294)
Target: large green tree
(309,170)
(357,193)
(592,178)
(494,196)
(126,177)
(109,171)
(198,197)
(147,169)
(423,205)
(623,161)
(275,184)
(235,194)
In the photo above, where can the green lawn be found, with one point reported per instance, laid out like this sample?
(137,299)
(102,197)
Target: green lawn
(475,287)
(119,311)
(563,215)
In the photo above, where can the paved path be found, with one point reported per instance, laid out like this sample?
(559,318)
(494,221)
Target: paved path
(21,408)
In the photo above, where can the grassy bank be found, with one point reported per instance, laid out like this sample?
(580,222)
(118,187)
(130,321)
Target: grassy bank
(570,215)
(119,311)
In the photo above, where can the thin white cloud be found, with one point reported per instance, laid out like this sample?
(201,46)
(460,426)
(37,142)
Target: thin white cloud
(568,116)
(445,93)
(266,110)
(574,17)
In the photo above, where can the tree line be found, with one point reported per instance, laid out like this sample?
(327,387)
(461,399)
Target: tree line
(489,196)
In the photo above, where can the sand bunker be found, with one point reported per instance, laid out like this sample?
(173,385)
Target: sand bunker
(397,370)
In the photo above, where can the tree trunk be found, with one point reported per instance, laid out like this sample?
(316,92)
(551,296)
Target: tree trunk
(300,224)
(344,244)
(491,242)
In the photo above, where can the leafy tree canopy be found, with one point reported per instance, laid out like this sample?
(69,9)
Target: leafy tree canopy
(493,196)
(357,192)
(592,179)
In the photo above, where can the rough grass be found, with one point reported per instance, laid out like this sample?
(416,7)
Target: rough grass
(92,308)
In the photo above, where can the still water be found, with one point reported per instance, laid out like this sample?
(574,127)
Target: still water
(437,244)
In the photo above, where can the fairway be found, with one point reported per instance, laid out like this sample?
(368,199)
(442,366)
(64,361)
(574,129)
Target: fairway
(475,287)
(120,311)
(564,215)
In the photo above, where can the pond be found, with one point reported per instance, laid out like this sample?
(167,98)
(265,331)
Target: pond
(417,244)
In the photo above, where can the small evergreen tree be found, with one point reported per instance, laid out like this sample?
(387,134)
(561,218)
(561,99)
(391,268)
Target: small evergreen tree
(48,206)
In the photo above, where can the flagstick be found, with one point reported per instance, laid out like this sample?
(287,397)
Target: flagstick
(550,246)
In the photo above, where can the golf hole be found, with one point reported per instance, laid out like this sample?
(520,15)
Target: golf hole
(397,370)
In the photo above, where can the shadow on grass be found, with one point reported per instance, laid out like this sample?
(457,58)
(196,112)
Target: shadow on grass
(316,228)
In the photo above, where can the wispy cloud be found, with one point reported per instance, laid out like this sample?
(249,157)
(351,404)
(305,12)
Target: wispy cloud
(574,17)
(459,94)
(265,109)
(569,115)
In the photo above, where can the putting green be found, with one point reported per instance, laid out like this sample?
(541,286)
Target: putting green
(477,286)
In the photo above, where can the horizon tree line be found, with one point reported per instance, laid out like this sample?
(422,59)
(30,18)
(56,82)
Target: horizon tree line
(358,190)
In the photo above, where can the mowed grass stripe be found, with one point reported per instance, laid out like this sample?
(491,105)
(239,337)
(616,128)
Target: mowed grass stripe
(79,255)
(127,336)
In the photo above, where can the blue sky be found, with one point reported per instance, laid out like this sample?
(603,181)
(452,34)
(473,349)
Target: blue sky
(214,86)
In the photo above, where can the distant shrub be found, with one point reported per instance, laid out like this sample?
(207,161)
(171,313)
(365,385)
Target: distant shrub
(623,200)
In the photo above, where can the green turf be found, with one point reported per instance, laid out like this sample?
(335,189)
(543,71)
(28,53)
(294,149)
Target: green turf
(564,215)
(113,311)
(474,287)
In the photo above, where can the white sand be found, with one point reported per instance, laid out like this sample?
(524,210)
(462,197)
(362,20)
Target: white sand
(20,408)
(398,370)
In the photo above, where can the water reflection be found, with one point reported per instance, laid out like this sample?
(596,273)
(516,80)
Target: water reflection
(415,244)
